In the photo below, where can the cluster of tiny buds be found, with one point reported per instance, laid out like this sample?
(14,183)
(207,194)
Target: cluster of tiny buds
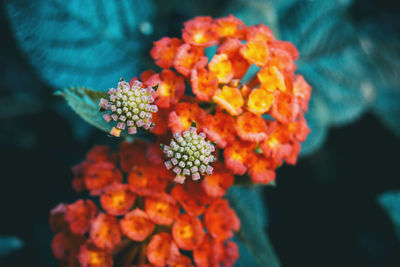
(189,154)
(129,106)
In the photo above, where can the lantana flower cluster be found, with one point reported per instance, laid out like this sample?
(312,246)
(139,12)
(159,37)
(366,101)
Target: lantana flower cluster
(143,216)
(258,121)
(248,107)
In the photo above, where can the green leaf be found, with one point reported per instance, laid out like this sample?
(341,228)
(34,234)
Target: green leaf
(390,201)
(9,244)
(254,243)
(85,102)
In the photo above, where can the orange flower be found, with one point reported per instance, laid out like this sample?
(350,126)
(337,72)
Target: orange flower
(216,184)
(238,156)
(230,99)
(231,254)
(188,57)
(100,174)
(160,119)
(188,232)
(302,91)
(91,256)
(183,115)
(271,79)
(79,215)
(161,211)
(251,127)
(163,51)
(191,197)
(105,232)
(259,32)
(256,52)
(221,220)
(204,84)
(286,108)
(229,27)
(180,261)
(161,249)
(144,177)
(200,31)
(221,67)
(117,199)
(260,101)
(209,253)
(231,47)
(131,154)
(218,128)
(100,153)
(276,146)
(65,246)
(137,225)
(262,171)
(170,88)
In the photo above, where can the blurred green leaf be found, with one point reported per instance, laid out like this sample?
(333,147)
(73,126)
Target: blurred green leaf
(89,43)
(85,102)
(254,244)
(9,244)
(390,201)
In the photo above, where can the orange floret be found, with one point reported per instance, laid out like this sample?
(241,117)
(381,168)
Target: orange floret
(216,184)
(260,101)
(188,57)
(259,32)
(299,129)
(230,99)
(251,127)
(221,220)
(163,51)
(160,119)
(191,197)
(100,174)
(286,108)
(65,246)
(276,146)
(231,254)
(282,59)
(238,156)
(291,158)
(137,225)
(161,249)
(180,261)
(287,47)
(302,91)
(117,199)
(221,67)
(57,220)
(105,232)
(218,128)
(204,83)
(91,256)
(256,52)
(262,171)
(200,31)
(147,177)
(231,47)
(161,211)
(183,115)
(229,27)
(79,214)
(100,153)
(170,88)
(188,232)
(271,79)
(132,154)
(209,253)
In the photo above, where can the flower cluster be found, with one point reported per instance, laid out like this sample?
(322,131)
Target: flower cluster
(130,106)
(257,121)
(143,217)
(190,154)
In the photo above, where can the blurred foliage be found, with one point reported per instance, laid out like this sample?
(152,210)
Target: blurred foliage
(255,248)
(390,201)
(9,244)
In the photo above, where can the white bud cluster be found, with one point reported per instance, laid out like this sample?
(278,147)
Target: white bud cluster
(189,154)
(129,106)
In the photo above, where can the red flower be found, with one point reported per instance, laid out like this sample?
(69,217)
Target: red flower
(161,249)
(79,215)
(161,211)
(188,232)
(105,232)
(163,51)
(200,31)
(137,225)
(117,199)
(91,256)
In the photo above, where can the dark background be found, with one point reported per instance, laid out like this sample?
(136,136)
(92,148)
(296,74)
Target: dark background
(323,211)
